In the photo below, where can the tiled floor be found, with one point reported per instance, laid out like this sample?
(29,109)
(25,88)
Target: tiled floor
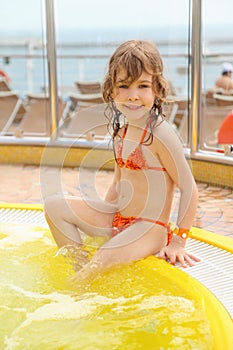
(30,184)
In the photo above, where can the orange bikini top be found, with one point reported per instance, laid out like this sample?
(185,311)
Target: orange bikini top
(136,160)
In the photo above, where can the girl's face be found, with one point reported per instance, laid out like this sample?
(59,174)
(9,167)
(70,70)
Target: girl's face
(135,99)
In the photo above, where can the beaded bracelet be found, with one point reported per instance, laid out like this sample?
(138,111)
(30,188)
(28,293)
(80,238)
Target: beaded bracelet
(182,232)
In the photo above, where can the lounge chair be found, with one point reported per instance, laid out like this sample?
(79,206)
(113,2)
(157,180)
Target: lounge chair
(88,123)
(212,118)
(223,100)
(89,93)
(170,110)
(11,111)
(85,100)
(37,119)
(178,115)
(4,86)
(88,87)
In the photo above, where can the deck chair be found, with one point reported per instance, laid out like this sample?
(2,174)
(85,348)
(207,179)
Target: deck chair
(183,129)
(37,119)
(212,118)
(88,123)
(178,108)
(88,87)
(4,86)
(208,98)
(11,111)
(170,110)
(85,100)
(179,116)
(223,100)
(182,111)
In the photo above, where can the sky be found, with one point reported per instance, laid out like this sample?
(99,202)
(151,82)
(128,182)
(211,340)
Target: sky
(25,15)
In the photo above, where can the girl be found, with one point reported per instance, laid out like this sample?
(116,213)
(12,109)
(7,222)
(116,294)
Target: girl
(149,164)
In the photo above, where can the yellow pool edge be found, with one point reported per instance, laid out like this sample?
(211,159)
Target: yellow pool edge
(21,206)
(221,323)
(219,318)
(223,242)
(219,241)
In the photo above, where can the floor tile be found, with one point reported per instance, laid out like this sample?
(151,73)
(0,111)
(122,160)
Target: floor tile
(32,184)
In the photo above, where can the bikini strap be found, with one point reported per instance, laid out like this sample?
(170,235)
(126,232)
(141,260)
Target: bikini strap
(145,131)
(125,131)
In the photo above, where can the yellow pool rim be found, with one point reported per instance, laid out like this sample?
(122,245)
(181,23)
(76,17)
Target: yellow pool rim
(22,206)
(219,318)
(223,242)
(221,323)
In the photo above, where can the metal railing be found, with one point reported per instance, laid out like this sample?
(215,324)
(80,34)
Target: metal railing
(190,73)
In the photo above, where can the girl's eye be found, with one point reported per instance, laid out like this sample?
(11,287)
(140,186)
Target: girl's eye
(144,86)
(123,86)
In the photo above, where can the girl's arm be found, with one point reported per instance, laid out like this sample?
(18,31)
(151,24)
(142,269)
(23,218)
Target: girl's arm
(171,155)
(112,194)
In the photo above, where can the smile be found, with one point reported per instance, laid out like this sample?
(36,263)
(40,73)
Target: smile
(133,107)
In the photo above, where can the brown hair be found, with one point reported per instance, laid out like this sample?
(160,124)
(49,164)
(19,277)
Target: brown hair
(136,57)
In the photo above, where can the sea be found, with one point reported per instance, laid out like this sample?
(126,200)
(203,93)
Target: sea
(82,55)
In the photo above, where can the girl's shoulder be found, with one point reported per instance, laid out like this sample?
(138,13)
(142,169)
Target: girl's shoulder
(166,134)
(164,127)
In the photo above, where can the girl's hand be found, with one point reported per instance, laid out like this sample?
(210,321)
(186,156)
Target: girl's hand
(88,272)
(175,252)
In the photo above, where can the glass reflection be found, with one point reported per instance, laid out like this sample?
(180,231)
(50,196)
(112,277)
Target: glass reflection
(217,96)
(85,42)
(24,107)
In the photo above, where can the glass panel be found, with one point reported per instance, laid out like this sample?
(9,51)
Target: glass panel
(24,109)
(217,96)
(87,34)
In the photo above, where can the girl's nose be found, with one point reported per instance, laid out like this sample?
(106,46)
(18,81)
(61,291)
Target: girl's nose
(132,94)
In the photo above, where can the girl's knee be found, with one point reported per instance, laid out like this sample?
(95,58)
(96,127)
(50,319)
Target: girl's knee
(52,204)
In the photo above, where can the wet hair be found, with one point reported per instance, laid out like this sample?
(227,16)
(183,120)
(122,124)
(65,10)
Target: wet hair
(134,57)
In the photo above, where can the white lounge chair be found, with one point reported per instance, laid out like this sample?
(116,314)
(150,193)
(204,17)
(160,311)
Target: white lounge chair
(11,110)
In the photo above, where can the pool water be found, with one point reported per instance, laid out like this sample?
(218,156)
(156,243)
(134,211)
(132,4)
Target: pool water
(141,305)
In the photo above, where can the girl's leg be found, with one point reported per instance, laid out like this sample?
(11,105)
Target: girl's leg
(67,216)
(136,242)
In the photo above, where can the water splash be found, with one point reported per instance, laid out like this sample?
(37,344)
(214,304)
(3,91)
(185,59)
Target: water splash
(75,256)
(126,307)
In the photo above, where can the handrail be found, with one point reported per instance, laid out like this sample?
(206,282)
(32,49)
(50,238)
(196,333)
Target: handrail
(100,55)
(52,66)
(195,74)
